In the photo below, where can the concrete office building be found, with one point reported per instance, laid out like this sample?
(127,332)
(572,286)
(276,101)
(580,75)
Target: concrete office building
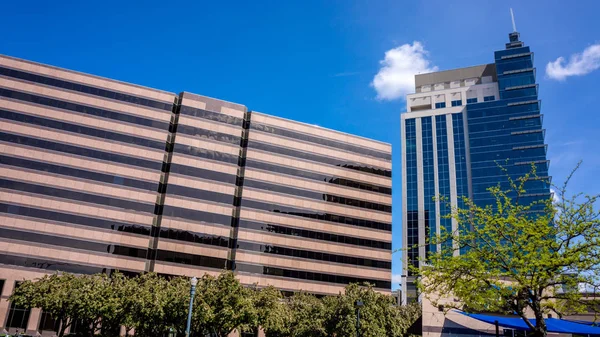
(100,175)
(459,125)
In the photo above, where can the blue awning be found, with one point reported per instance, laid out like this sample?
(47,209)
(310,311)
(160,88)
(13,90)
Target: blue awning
(553,324)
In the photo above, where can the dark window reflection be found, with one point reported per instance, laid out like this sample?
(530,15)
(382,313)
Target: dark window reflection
(317,196)
(318,176)
(313,255)
(85,89)
(201,238)
(202,173)
(88,110)
(316,215)
(195,260)
(319,158)
(319,140)
(278,229)
(194,215)
(307,275)
(214,116)
(80,151)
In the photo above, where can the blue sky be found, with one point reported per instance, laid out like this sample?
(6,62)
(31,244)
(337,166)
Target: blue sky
(314,61)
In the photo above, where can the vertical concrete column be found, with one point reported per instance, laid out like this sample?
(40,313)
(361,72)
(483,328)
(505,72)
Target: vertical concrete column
(34,321)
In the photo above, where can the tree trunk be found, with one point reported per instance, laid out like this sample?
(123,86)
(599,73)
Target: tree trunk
(541,330)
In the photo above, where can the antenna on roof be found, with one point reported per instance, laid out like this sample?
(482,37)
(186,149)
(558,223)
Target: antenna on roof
(512,16)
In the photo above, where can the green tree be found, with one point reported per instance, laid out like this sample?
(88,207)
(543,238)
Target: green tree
(222,304)
(308,316)
(56,294)
(378,315)
(270,312)
(518,256)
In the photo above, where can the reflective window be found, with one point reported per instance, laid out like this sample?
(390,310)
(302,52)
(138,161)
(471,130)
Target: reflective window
(412,225)
(318,176)
(195,215)
(443,177)
(312,214)
(78,196)
(200,238)
(208,134)
(202,173)
(85,89)
(307,275)
(80,151)
(489,98)
(88,110)
(48,323)
(456,103)
(53,265)
(75,219)
(313,255)
(61,241)
(78,173)
(17,316)
(428,180)
(440,105)
(200,194)
(317,196)
(471,100)
(284,230)
(84,130)
(213,116)
(206,154)
(319,158)
(195,260)
(319,140)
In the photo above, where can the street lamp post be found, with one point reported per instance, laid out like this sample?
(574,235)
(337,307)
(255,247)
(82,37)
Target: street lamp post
(358,305)
(193,283)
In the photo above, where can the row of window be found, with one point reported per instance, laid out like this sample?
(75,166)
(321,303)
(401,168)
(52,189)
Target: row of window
(307,275)
(80,151)
(84,130)
(213,116)
(85,89)
(95,222)
(318,176)
(208,134)
(458,102)
(206,154)
(78,173)
(84,109)
(317,196)
(190,259)
(279,229)
(313,255)
(320,140)
(203,173)
(199,238)
(317,215)
(62,241)
(319,158)
(74,195)
(200,194)
(53,265)
(198,216)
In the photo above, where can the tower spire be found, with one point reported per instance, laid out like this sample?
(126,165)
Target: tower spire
(512,16)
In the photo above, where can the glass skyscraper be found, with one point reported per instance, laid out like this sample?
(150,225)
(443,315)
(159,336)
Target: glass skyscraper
(459,127)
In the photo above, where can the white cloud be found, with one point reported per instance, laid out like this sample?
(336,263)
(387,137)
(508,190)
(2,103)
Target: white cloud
(396,278)
(396,77)
(555,196)
(579,64)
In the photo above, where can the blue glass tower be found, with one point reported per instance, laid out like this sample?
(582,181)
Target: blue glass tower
(464,131)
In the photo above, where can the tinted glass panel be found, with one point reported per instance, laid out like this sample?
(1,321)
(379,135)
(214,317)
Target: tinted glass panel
(279,229)
(214,116)
(194,215)
(319,140)
(48,264)
(206,154)
(195,260)
(82,109)
(80,151)
(207,134)
(317,196)
(313,255)
(200,194)
(307,275)
(84,130)
(72,243)
(74,219)
(77,173)
(202,173)
(85,89)
(318,176)
(73,195)
(319,158)
(311,214)
(201,238)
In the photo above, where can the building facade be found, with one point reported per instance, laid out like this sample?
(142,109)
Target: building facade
(462,127)
(100,175)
